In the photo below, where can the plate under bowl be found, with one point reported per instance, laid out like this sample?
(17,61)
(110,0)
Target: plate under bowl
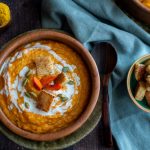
(46,34)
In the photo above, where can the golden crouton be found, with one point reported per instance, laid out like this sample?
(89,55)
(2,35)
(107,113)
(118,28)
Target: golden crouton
(44,101)
(139,71)
(147,87)
(147,78)
(44,65)
(61,79)
(147,69)
(147,62)
(147,96)
(140,91)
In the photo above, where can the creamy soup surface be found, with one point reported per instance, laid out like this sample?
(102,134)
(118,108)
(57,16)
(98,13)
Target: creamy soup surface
(44,86)
(146,3)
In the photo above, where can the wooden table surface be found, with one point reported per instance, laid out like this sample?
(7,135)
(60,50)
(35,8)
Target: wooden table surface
(25,17)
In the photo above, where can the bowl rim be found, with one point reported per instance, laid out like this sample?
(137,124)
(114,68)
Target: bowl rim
(129,79)
(41,34)
(142,6)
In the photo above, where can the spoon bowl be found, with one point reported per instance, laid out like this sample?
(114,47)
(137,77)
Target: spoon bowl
(105,56)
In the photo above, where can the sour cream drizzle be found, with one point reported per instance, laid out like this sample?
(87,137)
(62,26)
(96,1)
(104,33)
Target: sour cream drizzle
(13,89)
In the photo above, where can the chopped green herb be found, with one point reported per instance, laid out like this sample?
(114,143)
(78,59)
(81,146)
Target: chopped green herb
(64,98)
(25,81)
(65,69)
(27,94)
(26,105)
(28,73)
(33,94)
(59,95)
(70,82)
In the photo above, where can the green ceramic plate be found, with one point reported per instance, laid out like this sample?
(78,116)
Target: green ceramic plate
(132,83)
(67,141)
(62,143)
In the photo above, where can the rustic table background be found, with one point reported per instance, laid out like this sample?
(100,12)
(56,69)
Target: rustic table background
(25,17)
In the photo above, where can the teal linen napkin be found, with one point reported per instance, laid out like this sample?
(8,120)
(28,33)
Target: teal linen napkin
(93,21)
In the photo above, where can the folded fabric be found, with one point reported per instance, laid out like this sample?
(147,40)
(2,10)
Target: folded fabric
(93,21)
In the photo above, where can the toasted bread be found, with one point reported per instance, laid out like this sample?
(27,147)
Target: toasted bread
(44,65)
(139,71)
(44,101)
(147,69)
(61,79)
(147,62)
(147,87)
(140,91)
(147,78)
(147,96)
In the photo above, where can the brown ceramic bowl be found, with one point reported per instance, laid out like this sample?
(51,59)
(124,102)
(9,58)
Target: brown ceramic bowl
(136,9)
(43,34)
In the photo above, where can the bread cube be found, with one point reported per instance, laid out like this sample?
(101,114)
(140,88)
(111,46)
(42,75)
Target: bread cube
(147,96)
(147,78)
(139,70)
(61,79)
(44,65)
(147,87)
(140,91)
(147,69)
(147,63)
(44,101)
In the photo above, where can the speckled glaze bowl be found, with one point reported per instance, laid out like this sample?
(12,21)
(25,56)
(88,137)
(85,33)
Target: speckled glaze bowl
(132,83)
(45,34)
(136,9)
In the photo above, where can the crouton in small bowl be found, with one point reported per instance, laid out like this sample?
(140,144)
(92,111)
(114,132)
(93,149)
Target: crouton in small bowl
(138,83)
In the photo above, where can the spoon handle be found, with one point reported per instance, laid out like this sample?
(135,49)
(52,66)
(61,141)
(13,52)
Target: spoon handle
(105,114)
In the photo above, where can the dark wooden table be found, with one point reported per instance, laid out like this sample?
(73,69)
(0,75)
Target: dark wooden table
(25,17)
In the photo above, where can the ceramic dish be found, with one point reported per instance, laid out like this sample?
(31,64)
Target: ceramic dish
(37,49)
(136,9)
(132,84)
(62,143)
(146,3)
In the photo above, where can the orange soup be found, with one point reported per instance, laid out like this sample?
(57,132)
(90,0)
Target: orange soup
(44,86)
(146,3)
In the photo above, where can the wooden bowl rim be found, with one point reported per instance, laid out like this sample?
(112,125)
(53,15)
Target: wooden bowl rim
(142,6)
(145,57)
(40,34)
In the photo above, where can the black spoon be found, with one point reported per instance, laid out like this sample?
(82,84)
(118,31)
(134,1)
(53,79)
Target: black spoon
(106,58)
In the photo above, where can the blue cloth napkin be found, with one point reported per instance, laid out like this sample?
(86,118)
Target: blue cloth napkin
(93,21)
